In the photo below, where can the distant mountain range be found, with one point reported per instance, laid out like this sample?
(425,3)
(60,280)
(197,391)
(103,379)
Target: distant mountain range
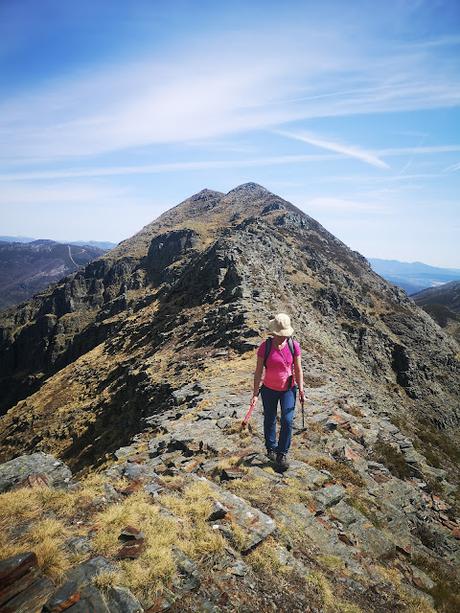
(27,239)
(413,276)
(27,267)
(443,304)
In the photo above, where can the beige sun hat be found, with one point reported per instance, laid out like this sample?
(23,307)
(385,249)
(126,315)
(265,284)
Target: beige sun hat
(281,325)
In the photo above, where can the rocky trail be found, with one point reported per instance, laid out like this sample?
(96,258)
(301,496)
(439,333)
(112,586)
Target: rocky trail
(338,521)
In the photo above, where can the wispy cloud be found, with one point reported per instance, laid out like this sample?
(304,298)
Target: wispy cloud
(342,205)
(66,193)
(348,150)
(443,41)
(452,168)
(256,162)
(363,179)
(164,168)
(395,151)
(212,93)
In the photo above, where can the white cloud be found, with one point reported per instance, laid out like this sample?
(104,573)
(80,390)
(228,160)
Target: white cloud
(65,193)
(232,84)
(210,164)
(342,205)
(452,168)
(164,168)
(348,150)
(395,151)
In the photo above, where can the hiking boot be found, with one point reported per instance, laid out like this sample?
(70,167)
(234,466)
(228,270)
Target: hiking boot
(271,455)
(281,461)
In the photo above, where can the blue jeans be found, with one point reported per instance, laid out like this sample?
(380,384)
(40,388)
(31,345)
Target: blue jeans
(270,400)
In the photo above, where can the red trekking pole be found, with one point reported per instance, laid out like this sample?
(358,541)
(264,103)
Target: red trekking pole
(247,417)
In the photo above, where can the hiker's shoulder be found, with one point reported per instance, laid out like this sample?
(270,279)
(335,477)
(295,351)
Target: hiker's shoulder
(297,349)
(261,349)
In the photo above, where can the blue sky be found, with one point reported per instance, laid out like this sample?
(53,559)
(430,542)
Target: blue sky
(112,112)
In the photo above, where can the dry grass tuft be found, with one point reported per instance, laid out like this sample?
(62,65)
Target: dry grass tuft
(193,506)
(256,490)
(40,519)
(16,508)
(147,575)
(266,560)
(185,528)
(46,538)
(334,563)
(341,471)
(330,603)
(105,580)
(412,604)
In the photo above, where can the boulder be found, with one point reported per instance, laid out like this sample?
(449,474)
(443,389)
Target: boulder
(25,467)
(255,525)
(78,594)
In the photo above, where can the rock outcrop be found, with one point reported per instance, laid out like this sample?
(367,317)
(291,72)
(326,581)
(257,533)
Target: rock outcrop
(27,268)
(140,367)
(442,303)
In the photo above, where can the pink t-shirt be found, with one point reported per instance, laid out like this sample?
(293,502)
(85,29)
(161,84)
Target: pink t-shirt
(279,365)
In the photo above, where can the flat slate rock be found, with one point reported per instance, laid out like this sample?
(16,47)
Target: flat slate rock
(312,477)
(329,496)
(66,596)
(79,595)
(32,599)
(84,573)
(18,470)
(19,585)
(199,436)
(14,567)
(255,524)
(91,601)
(345,514)
(121,600)
(17,574)
(371,540)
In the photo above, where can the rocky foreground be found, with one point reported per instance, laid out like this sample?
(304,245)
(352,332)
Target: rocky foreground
(134,374)
(192,517)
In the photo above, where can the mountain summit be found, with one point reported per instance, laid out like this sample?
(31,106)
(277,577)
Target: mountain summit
(146,356)
(250,253)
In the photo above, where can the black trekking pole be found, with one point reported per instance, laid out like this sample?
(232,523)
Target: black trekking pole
(302,429)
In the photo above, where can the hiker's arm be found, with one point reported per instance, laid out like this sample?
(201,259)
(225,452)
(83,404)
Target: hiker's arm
(258,375)
(299,375)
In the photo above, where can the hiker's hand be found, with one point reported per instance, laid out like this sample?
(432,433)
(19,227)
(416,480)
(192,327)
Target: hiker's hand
(254,399)
(302,396)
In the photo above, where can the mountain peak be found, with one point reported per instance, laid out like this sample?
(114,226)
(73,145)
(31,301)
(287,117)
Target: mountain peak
(249,188)
(205,193)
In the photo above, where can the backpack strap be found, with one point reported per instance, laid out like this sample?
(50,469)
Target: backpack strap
(268,348)
(290,342)
(292,381)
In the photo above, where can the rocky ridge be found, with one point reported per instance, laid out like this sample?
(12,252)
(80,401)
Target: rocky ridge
(27,268)
(141,365)
(442,303)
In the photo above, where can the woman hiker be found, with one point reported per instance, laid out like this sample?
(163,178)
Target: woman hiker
(283,376)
